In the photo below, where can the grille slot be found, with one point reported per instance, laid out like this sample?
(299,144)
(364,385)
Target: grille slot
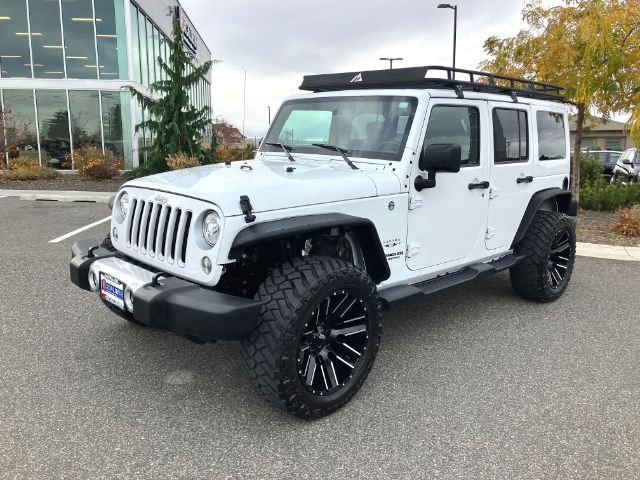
(159,230)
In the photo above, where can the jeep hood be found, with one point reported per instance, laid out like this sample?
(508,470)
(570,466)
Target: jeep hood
(272,185)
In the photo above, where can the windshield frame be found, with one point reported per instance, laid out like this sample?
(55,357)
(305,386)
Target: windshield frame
(279,122)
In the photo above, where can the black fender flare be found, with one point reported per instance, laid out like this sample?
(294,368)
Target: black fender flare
(364,229)
(562,199)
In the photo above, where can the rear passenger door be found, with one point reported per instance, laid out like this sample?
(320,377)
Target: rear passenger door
(512,171)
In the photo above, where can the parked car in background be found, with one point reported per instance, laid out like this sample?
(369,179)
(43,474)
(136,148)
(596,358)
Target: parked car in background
(607,160)
(627,168)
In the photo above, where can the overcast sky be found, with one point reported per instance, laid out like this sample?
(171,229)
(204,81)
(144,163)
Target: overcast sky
(279,41)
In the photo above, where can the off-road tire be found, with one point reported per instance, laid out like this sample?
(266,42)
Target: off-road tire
(290,295)
(532,278)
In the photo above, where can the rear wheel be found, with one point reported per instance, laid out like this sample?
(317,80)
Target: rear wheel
(550,249)
(317,337)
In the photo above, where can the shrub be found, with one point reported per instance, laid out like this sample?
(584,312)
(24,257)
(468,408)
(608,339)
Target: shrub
(38,173)
(93,164)
(590,170)
(180,160)
(23,164)
(628,222)
(609,198)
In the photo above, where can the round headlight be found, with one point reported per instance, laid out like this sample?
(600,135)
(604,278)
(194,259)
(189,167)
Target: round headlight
(123,203)
(211,228)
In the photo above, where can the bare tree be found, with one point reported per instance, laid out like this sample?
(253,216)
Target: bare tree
(14,130)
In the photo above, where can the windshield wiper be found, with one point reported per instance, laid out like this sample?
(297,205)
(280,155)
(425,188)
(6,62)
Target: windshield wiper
(341,151)
(287,149)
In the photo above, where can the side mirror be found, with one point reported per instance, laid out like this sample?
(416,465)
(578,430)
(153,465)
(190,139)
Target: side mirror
(438,157)
(441,157)
(627,161)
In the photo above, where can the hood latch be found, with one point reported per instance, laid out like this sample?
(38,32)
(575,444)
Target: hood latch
(245,205)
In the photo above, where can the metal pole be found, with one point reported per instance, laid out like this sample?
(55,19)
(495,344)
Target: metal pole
(269,108)
(455,34)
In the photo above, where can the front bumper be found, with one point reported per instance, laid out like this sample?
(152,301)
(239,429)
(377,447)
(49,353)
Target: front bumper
(170,303)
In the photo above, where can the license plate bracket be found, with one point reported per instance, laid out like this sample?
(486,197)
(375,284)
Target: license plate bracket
(112,290)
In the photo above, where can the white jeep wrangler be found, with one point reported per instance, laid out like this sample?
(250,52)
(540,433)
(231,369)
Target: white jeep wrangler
(377,187)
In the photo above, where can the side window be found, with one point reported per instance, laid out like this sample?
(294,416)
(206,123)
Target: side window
(510,136)
(458,125)
(552,142)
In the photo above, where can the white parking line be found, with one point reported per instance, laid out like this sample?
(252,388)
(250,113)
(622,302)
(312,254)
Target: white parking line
(80,230)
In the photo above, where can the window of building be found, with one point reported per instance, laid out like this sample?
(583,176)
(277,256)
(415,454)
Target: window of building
(19,123)
(588,144)
(457,125)
(116,124)
(552,140)
(156,52)
(53,124)
(15,59)
(135,45)
(110,36)
(46,39)
(85,118)
(613,144)
(510,135)
(79,39)
(150,52)
(142,37)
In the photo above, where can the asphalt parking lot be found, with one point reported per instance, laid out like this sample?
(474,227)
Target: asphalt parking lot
(471,383)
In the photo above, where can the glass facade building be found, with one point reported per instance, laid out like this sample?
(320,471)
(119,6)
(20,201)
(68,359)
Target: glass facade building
(65,71)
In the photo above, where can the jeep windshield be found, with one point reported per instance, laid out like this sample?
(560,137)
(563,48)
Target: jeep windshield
(373,127)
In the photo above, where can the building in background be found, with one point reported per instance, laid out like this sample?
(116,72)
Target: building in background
(66,66)
(603,135)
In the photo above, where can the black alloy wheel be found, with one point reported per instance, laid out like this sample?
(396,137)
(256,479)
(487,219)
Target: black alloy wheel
(333,342)
(559,258)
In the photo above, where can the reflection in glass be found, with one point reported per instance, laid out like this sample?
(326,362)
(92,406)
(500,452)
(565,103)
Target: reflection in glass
(150,52)
(156,52)
(85,118)
(110,35)
(48,61)
(20,123)
(53,119)
(79,38)
(15,60)
(135,40)
(142,37)
(116,122)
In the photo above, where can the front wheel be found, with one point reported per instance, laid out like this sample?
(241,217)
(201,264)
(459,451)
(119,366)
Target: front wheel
(550,249)
(317,337)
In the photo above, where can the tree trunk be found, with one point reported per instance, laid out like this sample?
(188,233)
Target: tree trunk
(577,145)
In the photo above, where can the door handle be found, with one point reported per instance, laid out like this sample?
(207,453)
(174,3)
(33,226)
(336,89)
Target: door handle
(479,186)
(528,179)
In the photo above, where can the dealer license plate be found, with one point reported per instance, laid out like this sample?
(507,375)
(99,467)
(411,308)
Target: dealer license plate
(112,290)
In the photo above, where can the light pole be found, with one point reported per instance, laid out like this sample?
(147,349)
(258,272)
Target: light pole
(455,28)
(391,60)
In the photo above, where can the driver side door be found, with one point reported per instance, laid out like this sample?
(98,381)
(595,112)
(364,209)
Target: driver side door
(447,223)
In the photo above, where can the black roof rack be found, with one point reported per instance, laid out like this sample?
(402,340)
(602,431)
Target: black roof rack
(458,79)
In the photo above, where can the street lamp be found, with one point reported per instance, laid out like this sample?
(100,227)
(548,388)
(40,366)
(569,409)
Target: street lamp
(391,60)
(455,28)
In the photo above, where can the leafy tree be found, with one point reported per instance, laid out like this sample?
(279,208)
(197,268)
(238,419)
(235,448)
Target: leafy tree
(591,47)
(176,125)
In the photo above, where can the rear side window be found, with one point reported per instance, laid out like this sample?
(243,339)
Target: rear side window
(510,136)
(552,142)
(458,125)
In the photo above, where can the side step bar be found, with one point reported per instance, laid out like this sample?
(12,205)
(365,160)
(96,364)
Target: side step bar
(400,293)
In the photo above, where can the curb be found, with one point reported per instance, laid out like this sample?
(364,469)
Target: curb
(59,196)
(608,252)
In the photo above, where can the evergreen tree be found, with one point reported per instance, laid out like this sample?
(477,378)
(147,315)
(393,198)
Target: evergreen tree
(176,125)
